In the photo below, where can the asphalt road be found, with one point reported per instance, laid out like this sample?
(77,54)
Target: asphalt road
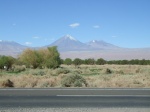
(74,97)
(75,92)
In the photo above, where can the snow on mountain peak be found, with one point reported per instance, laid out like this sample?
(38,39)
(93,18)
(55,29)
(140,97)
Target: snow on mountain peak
(70,37)
(93,41)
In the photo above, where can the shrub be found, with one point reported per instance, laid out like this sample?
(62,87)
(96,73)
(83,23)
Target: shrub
(62,71)
(30,58)
(89,61)
(74,81)
(68,61)
(100,61)
(7,83)
(6,61)
(77,62)
(19,68)
(53,61)
(108,71)
(138,70)
(49,58)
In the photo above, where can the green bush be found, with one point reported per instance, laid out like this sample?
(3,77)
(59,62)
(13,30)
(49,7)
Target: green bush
(41,58)
(74,81)
(89,61)
(6,61)
(77,62)
(68,61)
(100,61)
(62,71)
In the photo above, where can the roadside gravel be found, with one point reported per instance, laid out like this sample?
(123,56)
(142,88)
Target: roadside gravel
(75,110)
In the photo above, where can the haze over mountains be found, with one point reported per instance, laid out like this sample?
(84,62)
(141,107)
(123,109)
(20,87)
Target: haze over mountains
(69,47)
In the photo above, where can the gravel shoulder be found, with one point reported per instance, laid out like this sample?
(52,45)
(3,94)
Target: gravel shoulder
(75,110)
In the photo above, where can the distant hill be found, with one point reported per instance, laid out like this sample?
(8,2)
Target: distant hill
(101,45)
(11,48)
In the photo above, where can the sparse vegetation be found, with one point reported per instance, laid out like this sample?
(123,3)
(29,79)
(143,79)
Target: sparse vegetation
(62,71)
(44,68)
(131,76)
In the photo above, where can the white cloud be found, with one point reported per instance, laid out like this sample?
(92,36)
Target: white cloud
(28,43)
(74,25)
(114,36)
(96,26)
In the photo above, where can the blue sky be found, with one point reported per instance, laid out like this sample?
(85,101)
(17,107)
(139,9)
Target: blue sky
(125,23)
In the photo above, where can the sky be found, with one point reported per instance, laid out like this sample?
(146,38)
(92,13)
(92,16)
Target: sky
(125,23)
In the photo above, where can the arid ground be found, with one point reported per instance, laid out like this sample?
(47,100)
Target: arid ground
(102,76)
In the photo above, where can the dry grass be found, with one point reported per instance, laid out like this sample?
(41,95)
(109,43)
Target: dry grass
(103,76)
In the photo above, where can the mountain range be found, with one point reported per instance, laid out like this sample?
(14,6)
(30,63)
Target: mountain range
(69,47)
(69,43)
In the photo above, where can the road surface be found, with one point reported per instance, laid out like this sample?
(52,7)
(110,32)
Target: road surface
(75,98)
